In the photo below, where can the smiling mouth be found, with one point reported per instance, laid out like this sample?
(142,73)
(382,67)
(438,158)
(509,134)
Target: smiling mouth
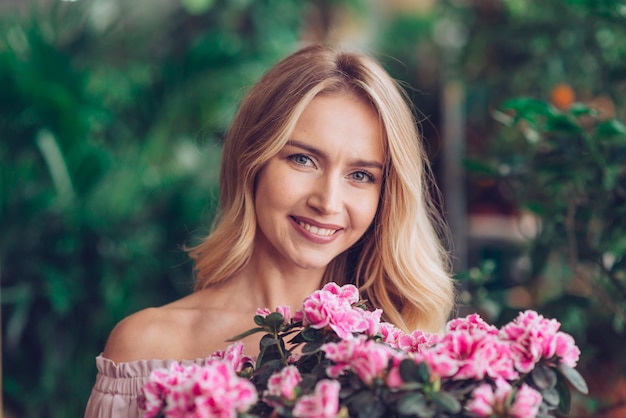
(323,232)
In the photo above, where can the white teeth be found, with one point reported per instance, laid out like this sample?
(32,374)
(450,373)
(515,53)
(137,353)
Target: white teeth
(324,232)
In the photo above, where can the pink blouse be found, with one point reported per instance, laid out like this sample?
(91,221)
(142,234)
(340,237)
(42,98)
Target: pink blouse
(119,384)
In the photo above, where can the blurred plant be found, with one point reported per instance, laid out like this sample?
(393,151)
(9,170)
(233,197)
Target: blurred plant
(110,117)
(567,167)
(556,164)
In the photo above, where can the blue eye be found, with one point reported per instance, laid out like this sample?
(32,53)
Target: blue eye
(300,159)
(363,177)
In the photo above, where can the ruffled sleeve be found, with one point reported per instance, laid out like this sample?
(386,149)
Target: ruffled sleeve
(118,385)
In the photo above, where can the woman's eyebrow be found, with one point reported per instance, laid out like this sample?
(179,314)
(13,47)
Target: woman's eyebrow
(354,163)
(306,147)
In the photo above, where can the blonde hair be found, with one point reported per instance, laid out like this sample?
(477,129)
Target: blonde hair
(400,264)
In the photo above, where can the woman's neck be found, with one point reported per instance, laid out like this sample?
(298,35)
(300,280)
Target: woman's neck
(268,286)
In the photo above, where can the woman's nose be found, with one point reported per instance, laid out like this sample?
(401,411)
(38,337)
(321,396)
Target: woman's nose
(326,195)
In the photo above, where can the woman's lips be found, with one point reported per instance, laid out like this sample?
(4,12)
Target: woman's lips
(316,231)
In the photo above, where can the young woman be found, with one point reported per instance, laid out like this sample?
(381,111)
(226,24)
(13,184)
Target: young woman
(323,178)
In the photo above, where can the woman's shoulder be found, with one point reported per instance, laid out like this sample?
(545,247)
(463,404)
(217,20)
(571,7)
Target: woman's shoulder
(153,333)
(186,329)
(137,336)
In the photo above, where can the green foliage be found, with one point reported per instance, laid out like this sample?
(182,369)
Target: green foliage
(566,168)
(561,166)
(516,48)
(110,119)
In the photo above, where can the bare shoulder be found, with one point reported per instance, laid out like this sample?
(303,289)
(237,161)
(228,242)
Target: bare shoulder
(186,329)
(141,335)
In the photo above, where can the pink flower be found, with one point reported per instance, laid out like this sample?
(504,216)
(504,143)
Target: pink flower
(566,349)
(526,404)
(285,311)
(372,318)
(366,358)
(332,307)
(348,292)
(263,312)
(477,354)
(213,390)
(219,392)
(486,403)
(298,315)
(417,341)
(322,403)
(533,338)
(470,324)
(283,384)
(440,363)
(390,334)
(234,356)
(483,401)
(154,391)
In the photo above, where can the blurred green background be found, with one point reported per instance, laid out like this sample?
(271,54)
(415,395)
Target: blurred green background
(112,112)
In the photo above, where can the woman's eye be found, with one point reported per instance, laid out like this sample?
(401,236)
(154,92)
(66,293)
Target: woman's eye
(362,177)
(301,159)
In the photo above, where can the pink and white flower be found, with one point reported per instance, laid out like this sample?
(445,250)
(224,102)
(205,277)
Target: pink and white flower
(417,341)
(389,333)
(526,404)
(348,292)
(471,323)
(366,358)
(322,403)
(283,385)
(211,391)
(477,354)
(284,310)
(332,307)
(486,402)
(234,356)
(533,338)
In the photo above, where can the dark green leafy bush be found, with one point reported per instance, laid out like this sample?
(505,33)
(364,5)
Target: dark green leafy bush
(110,123)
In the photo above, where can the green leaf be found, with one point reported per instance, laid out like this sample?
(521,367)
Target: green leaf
(312,347)
(245,334)
(565,396)
(562,123)
(611,127)
(275,321)
(259,320)
(268,341)
(412,372)
(544,377)
(311,334)
(269,351)
(263,371)
(574,378)
(414,404)
(446,401)
(579,109)
(366,405)
(408,371)
(423,372)
(550,397)
(529,109)
(527,105)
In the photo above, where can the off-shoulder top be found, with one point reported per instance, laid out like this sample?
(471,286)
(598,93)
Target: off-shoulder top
(118,385)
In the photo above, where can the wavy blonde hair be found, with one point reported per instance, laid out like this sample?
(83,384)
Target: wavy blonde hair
(400,264)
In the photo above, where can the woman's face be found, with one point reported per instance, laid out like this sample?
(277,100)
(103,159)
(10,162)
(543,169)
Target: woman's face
(319,194)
